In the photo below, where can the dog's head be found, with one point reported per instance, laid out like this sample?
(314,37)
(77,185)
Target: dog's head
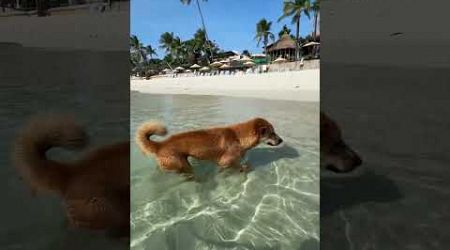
(335,154)
(266,133)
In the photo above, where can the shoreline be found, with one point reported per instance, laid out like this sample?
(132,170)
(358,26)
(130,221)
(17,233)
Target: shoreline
(301,86)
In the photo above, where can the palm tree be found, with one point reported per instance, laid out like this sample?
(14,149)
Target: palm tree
(200,41)
(263,33)
(294,9)
(206,47)
(177,47)
(187,2)
(166,42)
(138,49)
(150,51)
(140,55)
(315,7)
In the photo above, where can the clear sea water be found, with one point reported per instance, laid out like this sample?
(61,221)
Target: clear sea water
(276,206)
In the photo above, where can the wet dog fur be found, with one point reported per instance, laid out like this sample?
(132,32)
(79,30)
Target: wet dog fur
(335,154)
(223,145)
(95,189)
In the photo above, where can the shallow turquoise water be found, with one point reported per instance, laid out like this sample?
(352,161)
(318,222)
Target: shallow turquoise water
(276,206)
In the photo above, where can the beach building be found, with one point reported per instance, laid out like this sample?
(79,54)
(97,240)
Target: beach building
(284,47)
(227,54)
(259,59)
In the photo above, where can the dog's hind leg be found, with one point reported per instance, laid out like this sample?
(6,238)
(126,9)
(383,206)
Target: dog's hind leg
(178,164)
(186,168)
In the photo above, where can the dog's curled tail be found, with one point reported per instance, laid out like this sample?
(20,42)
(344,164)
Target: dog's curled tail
(143,134)
(40,134)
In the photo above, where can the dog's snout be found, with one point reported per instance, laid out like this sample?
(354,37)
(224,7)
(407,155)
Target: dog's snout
(357,161)
(274,140)
(278,140)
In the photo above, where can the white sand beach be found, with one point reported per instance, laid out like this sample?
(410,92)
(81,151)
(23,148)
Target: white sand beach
(295,86)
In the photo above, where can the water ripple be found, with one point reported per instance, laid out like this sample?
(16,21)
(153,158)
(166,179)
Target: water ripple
(276,206)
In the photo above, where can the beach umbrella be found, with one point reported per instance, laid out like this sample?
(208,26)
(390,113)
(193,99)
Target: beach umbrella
(246,59)
(224,61)
(179,68)
(167,70)
(249,64)
(310,44)
(216,64)
(225,66)
(195,66)
(204,69)
(188,71)
(280,60)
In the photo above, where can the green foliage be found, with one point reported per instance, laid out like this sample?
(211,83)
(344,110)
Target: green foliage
(284,30)
(295,9)
(178,52)
(263,32)
(246,53)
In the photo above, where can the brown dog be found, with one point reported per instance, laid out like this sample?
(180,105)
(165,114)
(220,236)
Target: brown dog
(335,154)
(95,189)
(223,145)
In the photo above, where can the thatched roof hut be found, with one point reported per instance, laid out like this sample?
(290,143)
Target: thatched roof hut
(284,47)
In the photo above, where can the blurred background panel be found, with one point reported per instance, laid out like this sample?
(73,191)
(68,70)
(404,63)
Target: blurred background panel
(384,80)
(68,57)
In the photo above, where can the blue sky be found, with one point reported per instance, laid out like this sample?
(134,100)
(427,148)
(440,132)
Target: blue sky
(230,23)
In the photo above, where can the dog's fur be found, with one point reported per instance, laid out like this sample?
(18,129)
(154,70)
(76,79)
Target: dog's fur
(335,154)
(223,145)
(95,189)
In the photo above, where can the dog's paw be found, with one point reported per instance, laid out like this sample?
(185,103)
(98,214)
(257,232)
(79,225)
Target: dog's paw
(190,177)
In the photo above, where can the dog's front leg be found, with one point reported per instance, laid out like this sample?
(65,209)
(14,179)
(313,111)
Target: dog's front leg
(233,163)
(228,161)
(245,168)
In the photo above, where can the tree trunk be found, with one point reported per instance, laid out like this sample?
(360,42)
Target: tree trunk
(265,48)
(315,26)
(297,40)
(206,33)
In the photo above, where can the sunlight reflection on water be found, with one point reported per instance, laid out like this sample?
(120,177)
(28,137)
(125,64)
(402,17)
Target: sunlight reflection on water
(276,206)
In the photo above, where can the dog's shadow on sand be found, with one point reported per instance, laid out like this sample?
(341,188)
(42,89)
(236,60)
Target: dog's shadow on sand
(260,157)
(344,192)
